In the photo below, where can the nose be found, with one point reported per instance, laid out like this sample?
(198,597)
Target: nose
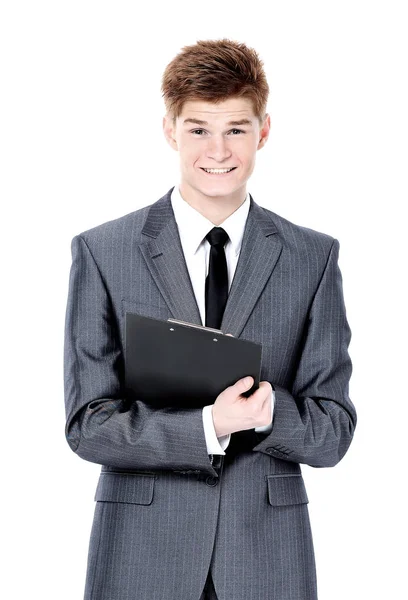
(218,148)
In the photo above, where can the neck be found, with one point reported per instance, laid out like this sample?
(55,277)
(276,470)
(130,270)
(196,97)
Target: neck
(214,208)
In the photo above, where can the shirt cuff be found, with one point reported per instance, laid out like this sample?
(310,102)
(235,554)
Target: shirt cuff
(215,445)
(268,428)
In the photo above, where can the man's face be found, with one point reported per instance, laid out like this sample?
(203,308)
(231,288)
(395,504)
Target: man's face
(208,137)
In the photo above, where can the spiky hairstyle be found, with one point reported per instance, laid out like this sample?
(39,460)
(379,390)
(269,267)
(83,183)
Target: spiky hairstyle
(214,71)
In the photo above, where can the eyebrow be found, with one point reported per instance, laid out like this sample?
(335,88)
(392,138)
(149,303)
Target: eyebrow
(230,123)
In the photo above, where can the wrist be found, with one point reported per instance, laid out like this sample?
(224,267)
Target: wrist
(220,431)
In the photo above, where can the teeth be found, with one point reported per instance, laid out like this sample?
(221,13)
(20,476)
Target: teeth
(218,170)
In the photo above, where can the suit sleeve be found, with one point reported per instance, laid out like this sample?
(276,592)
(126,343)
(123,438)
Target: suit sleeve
(101,425)
(314,421)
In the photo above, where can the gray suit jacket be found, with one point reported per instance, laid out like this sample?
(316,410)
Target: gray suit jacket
(164,515)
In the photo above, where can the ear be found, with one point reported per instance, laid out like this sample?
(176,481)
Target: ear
(169,131)
(264,132)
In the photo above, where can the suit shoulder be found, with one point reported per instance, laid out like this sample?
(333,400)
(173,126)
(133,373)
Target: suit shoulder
(116,229)
(298,235)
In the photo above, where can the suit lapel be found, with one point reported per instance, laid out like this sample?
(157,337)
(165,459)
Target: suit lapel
(163,253)
(260,250)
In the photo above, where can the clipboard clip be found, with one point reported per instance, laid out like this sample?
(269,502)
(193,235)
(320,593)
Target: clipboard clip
(196,326)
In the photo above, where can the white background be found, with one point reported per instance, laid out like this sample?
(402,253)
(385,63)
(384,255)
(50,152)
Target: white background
(81,143)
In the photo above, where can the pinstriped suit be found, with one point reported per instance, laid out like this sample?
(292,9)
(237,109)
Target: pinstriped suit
(164,515)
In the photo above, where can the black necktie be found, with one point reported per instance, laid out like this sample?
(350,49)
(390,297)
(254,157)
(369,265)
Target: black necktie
(216,283)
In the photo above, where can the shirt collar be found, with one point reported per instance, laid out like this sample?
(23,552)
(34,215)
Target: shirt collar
(193,226)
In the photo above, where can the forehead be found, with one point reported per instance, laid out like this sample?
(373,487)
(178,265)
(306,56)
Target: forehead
(231,109)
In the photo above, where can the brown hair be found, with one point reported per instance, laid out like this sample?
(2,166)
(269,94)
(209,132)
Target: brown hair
(215,70)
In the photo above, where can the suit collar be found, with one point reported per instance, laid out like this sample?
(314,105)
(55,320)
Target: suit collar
(163,253)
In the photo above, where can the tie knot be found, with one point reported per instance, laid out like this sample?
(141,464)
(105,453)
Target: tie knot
(217,236)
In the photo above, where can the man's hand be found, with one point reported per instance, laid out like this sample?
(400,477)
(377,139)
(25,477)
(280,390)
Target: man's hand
(233,412)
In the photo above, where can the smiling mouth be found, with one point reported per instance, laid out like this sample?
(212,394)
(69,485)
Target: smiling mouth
(218,171)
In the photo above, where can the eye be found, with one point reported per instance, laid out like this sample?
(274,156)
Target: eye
(239,130)
(196,130)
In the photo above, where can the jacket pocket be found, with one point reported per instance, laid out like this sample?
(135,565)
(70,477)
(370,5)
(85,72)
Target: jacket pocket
(129,488)
(284,490)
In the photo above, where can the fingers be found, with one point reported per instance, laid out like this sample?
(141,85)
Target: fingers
(266,388)
(266,385)
(262,394)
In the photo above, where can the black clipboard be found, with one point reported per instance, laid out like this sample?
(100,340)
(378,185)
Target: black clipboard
(173,363)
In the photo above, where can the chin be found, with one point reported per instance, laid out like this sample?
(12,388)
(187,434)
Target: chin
(215,192)
(217,188)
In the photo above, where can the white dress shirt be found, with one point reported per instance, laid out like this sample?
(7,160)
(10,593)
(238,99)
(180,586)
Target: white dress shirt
(192,228)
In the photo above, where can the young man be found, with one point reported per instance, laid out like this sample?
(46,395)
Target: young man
(208,503)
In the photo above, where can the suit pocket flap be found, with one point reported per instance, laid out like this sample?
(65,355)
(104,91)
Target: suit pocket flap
(125,487)
(284,490)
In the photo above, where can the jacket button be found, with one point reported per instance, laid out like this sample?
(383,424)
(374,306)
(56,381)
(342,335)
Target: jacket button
(211,480)
(270,450)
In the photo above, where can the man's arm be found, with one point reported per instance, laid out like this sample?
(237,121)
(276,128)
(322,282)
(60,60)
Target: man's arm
(314,422)
(101,426)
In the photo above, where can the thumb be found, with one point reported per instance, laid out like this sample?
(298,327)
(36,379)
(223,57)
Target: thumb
(245,383)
